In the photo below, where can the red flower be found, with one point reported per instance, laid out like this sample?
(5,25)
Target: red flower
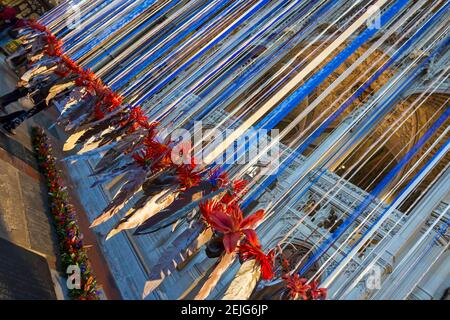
(207,207)
(98,112)
(229,199)
(79,82)
(144,157)
(248,251)
(50,39)
(239,188)
(71,65)
(54,51)
(36,26)
(155,154)
(232,224)
(187,176)
(138,119)
(297,286)
(113,100)
(318,293)
(88,79)
(54,46)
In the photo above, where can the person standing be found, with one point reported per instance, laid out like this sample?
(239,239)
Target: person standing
(41,95)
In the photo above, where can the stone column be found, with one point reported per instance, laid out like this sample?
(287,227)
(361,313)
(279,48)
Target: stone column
(403,239)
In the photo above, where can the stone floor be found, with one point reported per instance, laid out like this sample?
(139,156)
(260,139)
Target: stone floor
(23,207)
(24,218)
(24,214)
(24,275)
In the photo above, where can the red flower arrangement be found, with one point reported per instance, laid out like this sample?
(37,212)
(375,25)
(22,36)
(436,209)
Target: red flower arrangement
(228,220)
(144,157)
(137,119)
(316,292)
(298,288)
(239,188)
(32,23)
(253,251)
(188,176)
(87,79)
(108,100)
(154,155)
(72,249)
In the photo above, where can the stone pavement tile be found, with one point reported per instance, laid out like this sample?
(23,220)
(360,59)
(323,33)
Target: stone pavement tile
(17,149)
(21,166)
(42,236)
(39,220)
(12,213)
(34,192)
(24,275)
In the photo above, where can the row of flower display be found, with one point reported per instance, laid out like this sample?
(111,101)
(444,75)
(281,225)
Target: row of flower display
(145,157)
(72,250)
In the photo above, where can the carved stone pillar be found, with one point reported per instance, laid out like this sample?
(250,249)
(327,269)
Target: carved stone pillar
(418,217)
